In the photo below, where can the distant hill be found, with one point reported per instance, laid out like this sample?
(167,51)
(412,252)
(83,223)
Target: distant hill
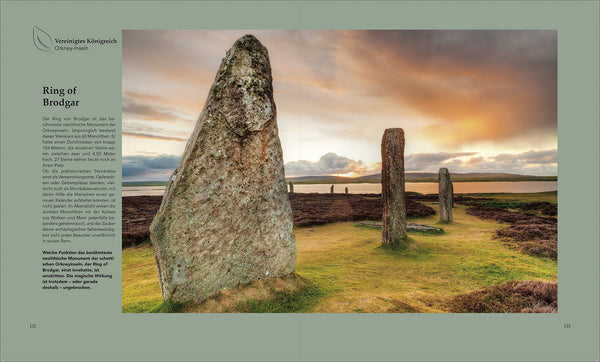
(318,178)
(423,177)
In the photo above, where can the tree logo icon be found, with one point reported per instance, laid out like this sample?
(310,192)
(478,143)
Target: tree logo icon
(42,40)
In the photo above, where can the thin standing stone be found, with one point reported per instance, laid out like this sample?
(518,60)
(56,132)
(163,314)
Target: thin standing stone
(346,190)
(331,190)
(445,193)
(392,187)
(291,188)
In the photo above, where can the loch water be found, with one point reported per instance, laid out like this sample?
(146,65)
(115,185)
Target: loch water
(370,188)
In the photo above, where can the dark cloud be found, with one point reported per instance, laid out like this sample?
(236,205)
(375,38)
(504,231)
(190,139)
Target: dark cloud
(529,157)
(474,85)
(443,50)
(542,162)
(148,167)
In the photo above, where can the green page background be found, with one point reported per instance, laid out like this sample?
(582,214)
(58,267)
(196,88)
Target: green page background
(90,326)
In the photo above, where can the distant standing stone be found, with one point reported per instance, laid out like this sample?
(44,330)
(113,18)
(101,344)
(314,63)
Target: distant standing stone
(331,190)
(392,187)
(346,190)
(225,218)
(291,188)
(446,199)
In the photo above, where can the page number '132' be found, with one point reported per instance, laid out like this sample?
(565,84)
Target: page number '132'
(32,325)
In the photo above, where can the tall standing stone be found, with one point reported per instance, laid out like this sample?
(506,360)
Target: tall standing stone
(225,218)
(291,188)
(445,193)
(346,190)
(392,187)
(331,190)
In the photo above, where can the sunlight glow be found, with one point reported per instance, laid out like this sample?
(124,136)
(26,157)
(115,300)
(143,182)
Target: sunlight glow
(350,174)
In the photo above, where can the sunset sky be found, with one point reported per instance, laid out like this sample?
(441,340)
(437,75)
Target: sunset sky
(471,101)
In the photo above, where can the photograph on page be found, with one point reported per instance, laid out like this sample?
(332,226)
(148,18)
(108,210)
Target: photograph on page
(339,171)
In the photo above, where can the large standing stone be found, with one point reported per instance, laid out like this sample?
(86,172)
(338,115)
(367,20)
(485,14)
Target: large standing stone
(331,190)
(446,199)
(225,218)
(392,187)
(291,187)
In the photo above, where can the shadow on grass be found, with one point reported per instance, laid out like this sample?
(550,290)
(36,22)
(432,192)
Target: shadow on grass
(168,307)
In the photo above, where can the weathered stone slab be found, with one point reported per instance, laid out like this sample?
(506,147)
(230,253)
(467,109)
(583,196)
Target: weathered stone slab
(445,193)
(392,187)
(331,190)
(225,218)
(291,188)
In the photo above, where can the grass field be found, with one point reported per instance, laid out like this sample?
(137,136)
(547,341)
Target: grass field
(140,289)
(349,271)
